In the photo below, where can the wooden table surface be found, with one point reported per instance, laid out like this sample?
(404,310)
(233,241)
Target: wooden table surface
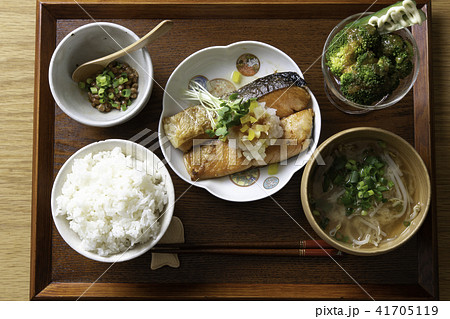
(17,32)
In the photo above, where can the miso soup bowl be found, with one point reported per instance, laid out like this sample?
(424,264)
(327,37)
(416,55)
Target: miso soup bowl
(409,157)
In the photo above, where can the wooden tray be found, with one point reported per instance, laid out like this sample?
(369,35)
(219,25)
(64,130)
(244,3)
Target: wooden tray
(299,29)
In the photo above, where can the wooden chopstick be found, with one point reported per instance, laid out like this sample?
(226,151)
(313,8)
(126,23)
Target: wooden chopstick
(253,251)
(290,248)
(301,244)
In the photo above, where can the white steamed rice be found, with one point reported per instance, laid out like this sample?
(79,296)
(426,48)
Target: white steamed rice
(111,202)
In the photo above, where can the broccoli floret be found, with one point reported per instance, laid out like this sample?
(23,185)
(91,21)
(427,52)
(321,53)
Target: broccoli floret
(340,55)
(348,45)
(391,45)
(369,82)
(385,65)
(367,58)
(400,52)
(366,37)
(403,65)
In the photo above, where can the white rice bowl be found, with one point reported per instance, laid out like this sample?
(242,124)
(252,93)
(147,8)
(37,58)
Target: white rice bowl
(114,202)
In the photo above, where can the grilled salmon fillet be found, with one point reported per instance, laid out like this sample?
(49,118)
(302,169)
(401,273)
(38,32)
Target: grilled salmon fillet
(287,101)
(218,158)
(182,128)
(283,91)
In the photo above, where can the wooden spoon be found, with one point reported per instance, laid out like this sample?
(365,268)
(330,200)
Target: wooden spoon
(89,68)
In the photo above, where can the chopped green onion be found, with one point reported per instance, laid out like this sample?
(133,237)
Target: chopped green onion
(126,92)
(347,199)
(406,223)
(106,88)
(354,177)
(363,181)
(101,80)
(360,184)
(379,165)
(316,213)
(122,80)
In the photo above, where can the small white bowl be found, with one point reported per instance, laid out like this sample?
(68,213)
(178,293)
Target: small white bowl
(220,62)
(138,152)
(87,43)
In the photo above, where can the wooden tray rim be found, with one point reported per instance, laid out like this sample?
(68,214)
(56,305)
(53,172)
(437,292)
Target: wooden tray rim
(41,286)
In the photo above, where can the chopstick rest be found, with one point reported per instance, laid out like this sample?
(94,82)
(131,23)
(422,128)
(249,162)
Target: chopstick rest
(173,235)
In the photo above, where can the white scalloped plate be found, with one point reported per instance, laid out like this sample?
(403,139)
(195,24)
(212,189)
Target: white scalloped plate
(220,62)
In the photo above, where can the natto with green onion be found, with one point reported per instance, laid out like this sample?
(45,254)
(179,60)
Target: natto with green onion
(113,88)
